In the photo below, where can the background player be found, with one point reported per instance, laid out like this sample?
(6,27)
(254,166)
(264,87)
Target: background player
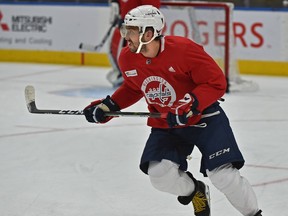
(176,76)
(118,10)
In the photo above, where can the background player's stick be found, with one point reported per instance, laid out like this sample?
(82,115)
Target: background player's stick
(31,105)
(93,48)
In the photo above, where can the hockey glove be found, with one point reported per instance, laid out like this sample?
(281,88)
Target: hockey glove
(95,112)
(182,110)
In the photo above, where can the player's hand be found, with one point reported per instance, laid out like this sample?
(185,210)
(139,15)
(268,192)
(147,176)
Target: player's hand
(95,112)
(114,12)
(182,110)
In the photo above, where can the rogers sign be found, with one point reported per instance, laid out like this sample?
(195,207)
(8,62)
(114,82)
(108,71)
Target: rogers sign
(240,30)
(213,33)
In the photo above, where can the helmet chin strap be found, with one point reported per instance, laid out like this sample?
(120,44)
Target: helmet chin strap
(142,43)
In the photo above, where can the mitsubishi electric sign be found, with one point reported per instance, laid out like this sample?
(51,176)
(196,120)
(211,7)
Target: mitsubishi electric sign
(25,23)
(42,27)
(23,30)
(3,25)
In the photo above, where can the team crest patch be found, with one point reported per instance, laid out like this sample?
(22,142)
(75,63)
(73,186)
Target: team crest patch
(158,91)
(131,73)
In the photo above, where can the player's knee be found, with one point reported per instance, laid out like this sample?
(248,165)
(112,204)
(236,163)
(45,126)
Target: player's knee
(224,178)
(162,174)
(166,176)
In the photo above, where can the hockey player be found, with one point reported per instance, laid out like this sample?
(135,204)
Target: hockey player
(118,10)
(176,76)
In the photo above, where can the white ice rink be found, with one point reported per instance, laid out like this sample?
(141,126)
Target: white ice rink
(53,165)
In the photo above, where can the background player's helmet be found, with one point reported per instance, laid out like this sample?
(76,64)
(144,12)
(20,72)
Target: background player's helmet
(145,16)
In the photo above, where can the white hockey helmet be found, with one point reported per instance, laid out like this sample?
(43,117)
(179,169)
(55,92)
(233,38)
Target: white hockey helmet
(145,16)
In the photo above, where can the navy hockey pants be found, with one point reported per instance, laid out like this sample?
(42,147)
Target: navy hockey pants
(212,135)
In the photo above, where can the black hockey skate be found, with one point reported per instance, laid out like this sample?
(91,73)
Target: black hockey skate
(258,213)
(200,198)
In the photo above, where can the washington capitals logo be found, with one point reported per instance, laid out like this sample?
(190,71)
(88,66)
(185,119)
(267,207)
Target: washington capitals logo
(158,91)
(162,93)
(3,26)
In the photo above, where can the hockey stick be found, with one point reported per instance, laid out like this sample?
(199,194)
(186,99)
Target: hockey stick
(31,105)
(93,48)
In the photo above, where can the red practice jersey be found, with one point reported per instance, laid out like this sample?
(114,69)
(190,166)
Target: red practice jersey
(127,5)
(181,67)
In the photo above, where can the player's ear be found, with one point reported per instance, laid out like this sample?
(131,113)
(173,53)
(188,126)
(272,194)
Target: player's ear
(148,34)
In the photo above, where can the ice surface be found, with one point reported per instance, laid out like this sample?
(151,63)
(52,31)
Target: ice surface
(53,165)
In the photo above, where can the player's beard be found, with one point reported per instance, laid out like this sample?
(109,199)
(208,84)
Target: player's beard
(143,48)
(132,46)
